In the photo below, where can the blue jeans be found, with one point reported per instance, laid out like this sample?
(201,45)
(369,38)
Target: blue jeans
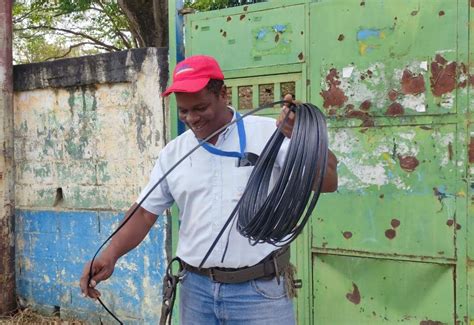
(256,302)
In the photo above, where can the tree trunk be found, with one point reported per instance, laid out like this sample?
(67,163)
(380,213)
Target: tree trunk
(148,20)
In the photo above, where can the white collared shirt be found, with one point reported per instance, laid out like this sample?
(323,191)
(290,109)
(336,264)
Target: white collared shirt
(206,187)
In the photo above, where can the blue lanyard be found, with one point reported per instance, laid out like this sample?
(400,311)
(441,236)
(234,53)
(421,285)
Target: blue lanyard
(242,141)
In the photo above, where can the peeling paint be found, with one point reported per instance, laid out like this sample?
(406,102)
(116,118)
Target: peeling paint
(443,76)
(334,96)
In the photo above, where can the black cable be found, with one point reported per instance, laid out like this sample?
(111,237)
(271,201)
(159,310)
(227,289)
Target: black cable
(161,179)
(278,217)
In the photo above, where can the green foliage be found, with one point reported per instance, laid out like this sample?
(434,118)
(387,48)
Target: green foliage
(206,5)
(49,29)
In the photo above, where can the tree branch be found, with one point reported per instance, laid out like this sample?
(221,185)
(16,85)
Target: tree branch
(116,29)
(69,50)
(107,46)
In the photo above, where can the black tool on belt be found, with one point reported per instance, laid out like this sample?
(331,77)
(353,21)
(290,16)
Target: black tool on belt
(271,266)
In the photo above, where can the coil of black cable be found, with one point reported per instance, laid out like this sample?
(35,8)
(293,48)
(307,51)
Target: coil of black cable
(278,215)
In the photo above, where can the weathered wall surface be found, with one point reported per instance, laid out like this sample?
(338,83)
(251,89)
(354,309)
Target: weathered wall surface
(87,133)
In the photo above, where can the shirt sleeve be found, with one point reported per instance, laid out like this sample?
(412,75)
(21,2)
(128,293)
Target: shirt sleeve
(160,197)
(280,159)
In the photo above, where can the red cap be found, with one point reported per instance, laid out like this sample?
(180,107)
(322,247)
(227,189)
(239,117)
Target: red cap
(192,74)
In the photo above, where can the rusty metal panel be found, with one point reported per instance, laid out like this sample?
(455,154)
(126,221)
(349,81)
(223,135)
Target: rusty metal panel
(397,192)
(253,37)
(383,59)
(354,290)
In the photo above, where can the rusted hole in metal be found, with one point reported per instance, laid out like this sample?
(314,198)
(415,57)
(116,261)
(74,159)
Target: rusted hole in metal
(362,3)
(390,233)
(277,38)
(246,8)
(458,226)
(300,56)
(414,12)
(341,37)
(242,17)
(196,27)
(224,34)
(441,13)
(229,18)
(381,196)
(450,222)
(347,234)
(354,296)
(395,223)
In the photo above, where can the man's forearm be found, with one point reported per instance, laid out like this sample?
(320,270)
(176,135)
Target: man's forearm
(134,231)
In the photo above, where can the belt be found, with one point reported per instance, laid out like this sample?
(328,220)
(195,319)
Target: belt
(269,267)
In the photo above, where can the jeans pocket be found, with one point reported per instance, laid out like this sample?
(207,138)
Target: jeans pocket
(184,276)
(270,288)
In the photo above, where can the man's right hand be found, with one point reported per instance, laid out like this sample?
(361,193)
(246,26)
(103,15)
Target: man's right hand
(101,270)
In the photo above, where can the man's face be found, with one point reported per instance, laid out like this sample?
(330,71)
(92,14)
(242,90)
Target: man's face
(203,112)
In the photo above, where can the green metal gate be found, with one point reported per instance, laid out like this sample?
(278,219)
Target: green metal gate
(394,79)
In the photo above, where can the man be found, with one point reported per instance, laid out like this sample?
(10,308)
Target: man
(206,187)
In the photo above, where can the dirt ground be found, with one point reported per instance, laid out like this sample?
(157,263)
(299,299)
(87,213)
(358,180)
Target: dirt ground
(29,316)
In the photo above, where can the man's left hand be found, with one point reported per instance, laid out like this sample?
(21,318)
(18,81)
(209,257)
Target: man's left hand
(287,128)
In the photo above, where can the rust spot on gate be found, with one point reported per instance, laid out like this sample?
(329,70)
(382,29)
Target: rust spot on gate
(242,17)
(341,37)
(392,95)
(431,322)
(395,223)
(300,56)
(450,222)
(365,106)
(229,18)
(390,233)
(408,163)
(443,76)
(441,13)
(347,234)
(334,96)
(395,109)
(354,296)
(471,151)
(412,84)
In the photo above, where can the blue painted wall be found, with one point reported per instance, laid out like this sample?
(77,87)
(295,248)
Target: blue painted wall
(52,247)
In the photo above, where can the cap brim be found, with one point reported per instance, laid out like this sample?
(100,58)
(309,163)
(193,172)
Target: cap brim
(186,86)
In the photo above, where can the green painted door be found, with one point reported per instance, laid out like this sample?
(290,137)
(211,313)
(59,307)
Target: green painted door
(395,81)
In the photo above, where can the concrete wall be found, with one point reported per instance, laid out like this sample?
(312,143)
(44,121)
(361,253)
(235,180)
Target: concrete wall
(87,133)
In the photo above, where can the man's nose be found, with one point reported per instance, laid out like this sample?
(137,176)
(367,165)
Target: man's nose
(192,118)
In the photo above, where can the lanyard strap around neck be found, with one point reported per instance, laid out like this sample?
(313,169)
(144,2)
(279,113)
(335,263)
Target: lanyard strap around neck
(242,141)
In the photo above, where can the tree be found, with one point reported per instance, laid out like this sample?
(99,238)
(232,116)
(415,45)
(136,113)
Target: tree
(46,29)
(52,29)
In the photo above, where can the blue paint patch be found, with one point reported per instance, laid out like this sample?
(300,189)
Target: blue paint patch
(52,248)
(364,34)
(261,33)
(279,28)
